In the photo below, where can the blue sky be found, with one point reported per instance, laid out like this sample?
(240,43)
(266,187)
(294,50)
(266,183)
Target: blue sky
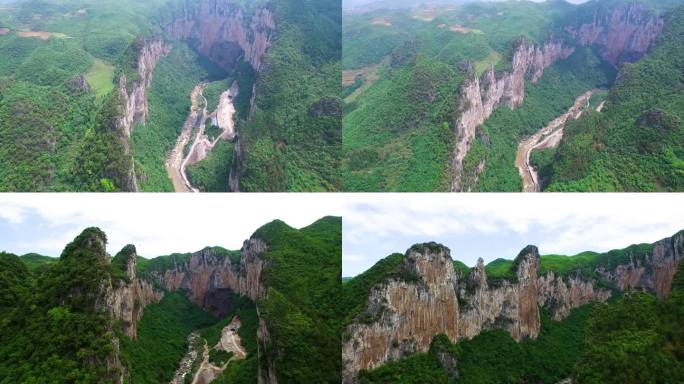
(156,224)
(500,225)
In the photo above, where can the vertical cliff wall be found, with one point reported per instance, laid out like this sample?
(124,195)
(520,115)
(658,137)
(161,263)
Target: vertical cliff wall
(220,30)
(130,295)
(478,97)
(133,97)
(426,297)
(206,272)
(624,33)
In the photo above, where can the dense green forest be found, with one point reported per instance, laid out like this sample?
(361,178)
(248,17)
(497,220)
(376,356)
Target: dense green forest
(300,307)
(55,131)
(51,331)
(292,142)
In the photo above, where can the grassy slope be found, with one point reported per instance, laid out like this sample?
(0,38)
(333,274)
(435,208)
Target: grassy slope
(635,144)
(101,77)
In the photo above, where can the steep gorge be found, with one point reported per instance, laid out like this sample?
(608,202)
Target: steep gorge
(218,29)
(622,34)
(428,297)
(478,97)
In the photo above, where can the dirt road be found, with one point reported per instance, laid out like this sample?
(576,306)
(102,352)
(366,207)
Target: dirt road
(175,160)
(194,131)
(548,137)
(229,342)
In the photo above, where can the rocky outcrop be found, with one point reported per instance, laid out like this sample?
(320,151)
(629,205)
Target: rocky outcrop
(561,295)
(130,295)
(478,97)
(505,304)
(403,314)
(206,272)
(132,95)
(426,298)
(653,271)
(133,92)
(79,85)
(220,30)
(624,33)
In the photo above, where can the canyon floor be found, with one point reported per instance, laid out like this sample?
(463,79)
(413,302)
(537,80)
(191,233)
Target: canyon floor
(194,134)
(208,371)
(548,137)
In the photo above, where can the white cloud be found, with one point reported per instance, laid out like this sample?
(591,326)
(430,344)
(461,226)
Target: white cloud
(557,223)
(163,223)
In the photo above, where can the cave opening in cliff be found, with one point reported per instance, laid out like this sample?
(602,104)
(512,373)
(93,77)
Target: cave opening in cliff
(219,302)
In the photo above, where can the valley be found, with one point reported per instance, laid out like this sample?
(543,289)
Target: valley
(212,316)
(122,72)
(194,144)
(500,56)
(548,137)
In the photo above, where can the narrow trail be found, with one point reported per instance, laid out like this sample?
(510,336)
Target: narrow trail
(229,342)
(548,137)
(177,161)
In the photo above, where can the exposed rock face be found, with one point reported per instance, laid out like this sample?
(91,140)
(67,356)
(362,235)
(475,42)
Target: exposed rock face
(134,95)
(130,296)
(205,272)
(562,295)
(220,30)
(479,97)
(403,314)
(625,33)
(654,273)
(502,304)
(133,99)
(79,84)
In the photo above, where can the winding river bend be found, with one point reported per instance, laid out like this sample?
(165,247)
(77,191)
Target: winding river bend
(194,134)
(548,137)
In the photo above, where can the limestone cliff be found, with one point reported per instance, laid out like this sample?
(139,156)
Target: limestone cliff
(207,272)
(130,295)
(132,95)
(478,97)
(624,33)
(222,31)
(426,297)
(653,272)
